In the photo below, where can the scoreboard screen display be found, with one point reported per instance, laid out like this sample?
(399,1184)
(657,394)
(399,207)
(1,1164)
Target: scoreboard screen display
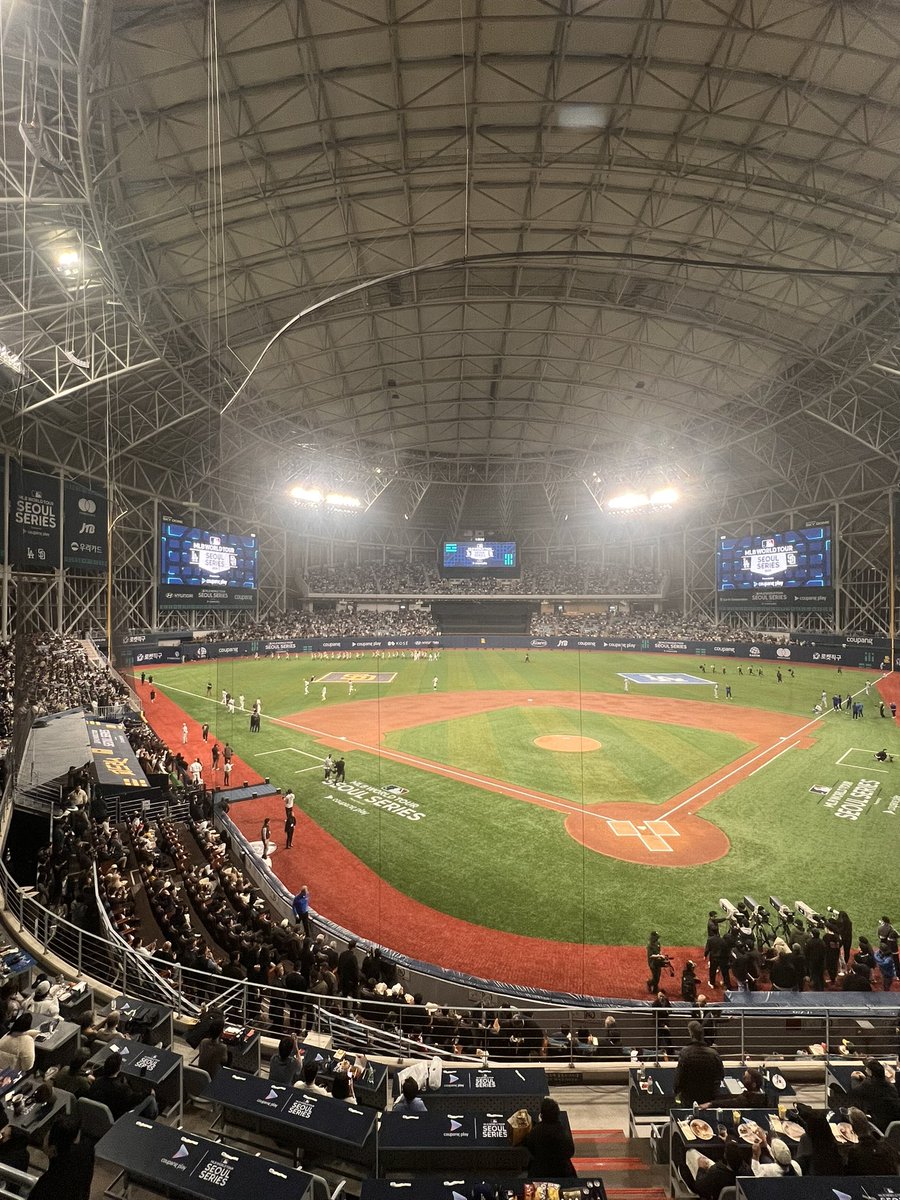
(203,569)
(479,556)
(789,570)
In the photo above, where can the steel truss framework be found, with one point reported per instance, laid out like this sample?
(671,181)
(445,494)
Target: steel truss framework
(603,224)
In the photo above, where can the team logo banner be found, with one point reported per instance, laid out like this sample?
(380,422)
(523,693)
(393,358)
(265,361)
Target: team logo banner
(85,524)
(34,520)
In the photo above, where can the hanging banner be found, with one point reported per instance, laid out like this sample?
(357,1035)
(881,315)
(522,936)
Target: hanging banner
(34,520)
(84,528)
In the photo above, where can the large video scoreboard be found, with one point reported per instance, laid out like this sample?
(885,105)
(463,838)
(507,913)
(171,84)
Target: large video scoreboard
(200,568)
(478,557)
(787,570)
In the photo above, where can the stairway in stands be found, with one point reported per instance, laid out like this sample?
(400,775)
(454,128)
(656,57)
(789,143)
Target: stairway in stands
(623,1163)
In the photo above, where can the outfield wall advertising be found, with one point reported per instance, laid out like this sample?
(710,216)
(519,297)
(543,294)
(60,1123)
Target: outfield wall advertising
(844,654)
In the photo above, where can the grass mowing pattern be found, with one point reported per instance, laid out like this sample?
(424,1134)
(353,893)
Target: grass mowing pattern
(638,760)
(508,864)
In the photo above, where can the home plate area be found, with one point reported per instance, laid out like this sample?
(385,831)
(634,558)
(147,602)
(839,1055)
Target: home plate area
(652,833)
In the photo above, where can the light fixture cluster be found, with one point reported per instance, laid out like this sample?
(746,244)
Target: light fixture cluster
(12,361)
(629,502)
(314,497)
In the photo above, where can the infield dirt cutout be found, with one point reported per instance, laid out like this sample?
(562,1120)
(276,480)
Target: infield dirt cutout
(566,743)
(671,834)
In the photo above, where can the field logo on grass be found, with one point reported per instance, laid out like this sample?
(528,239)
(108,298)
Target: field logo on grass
(890,809)
(849,800)
(383,798)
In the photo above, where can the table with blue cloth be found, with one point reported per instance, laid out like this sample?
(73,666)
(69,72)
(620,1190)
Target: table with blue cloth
(651,1090)
(486,1089)
(839,1072)
(453,1142)
(145,1067)
(436,1187)
(818,1187)
(173,1162)
(157,1018)
(300,1119)
(370,1088)
(55,1042)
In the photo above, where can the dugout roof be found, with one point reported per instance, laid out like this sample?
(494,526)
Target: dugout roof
(625,241)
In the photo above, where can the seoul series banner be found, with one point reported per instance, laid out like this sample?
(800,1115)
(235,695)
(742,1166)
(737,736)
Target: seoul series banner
(84,528)
(34,519)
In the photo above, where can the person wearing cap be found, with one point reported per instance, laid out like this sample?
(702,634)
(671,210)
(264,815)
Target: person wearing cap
(782,1164)
(41,1003)
(700,1070)
(17,1046)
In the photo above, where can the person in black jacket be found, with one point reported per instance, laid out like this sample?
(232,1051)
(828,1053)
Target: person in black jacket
(550,1145)
(71,1169)
(815,961)
(874,1095)
(818,1153)
(348,970)
(700,1070)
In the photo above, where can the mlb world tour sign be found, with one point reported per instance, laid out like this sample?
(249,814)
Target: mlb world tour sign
(55,523)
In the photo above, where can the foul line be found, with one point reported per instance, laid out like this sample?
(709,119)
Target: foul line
(792,746)
(756,757)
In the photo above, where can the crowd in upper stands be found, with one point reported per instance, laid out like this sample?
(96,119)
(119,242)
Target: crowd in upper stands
(414,578)
(668,625)
(342,622)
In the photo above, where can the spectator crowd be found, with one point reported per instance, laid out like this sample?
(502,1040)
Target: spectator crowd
(415,578)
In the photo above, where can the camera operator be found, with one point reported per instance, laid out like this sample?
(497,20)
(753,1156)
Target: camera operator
(717,953)
(656,960)
(690,984)
(815,961)
(713,922)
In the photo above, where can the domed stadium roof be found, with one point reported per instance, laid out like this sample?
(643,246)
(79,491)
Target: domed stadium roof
(597,247)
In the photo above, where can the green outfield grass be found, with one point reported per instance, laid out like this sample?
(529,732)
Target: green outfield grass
(509,864)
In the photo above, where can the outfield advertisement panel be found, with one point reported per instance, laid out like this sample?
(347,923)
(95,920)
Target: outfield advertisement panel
(788,570)
(842,654)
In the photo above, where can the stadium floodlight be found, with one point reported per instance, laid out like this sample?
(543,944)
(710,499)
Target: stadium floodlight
(338,500)
(663,497)
(628,501)
(306,495)
(68,262)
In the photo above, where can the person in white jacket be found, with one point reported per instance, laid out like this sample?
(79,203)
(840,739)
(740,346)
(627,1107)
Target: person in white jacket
(41,1003)
(17,1046)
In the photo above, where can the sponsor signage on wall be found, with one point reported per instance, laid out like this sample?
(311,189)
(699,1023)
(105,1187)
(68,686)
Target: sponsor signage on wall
(84,528)
(34,520)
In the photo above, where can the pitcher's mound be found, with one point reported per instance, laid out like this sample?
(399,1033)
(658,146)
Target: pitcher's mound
(567,743)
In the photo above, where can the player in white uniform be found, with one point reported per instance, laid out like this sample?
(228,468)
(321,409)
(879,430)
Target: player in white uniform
(434,684)
(324,694)
(184,733)
(352,689)
(241,701)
